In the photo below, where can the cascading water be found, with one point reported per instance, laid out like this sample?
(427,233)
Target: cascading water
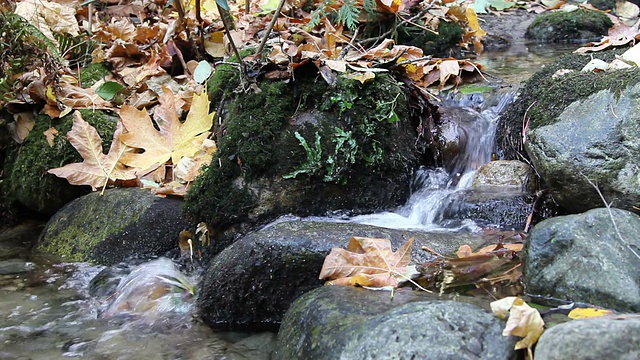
(435,190)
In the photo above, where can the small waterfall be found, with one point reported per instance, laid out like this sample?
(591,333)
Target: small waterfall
(438,189)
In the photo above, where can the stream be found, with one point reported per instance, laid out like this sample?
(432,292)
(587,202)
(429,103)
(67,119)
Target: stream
(145,311)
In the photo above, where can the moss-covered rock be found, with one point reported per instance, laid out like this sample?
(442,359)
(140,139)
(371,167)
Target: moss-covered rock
(543,97)
(108,229)
(603,5)
(579,25)
(26,177)
(307,148)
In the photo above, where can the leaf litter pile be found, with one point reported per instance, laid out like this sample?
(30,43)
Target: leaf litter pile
(161,53)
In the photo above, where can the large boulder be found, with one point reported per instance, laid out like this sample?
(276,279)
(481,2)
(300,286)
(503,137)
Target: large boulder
(335,322)
(252,282)
(596,140)
(578,126)
(610,337)
(582,258)
(318,148)
(122,224)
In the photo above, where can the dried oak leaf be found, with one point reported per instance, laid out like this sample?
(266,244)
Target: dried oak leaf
(366,262)
(174,139)
(97,169)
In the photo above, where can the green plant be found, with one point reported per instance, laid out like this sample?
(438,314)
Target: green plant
(314,158)
(345,12)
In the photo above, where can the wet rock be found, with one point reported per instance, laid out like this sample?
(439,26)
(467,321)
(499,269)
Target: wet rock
(597,138)
(581,258)
(610,337)
(335,322)
(14,266)
(579,25)
(251,283)
(507,210)
(16,242)
(504,175)
(109,229)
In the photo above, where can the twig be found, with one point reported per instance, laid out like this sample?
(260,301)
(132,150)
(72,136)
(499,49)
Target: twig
(265,37)
(411,61)
(608,206)
(227,27)
(345,50)
(432,251)
(525,122)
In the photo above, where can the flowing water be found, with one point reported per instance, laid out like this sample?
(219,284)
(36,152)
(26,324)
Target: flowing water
(145,311)
(436,190)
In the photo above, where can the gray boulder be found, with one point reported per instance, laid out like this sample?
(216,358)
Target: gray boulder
(108,229)
(581,258)
(506,209)
(610,337)
(251,283)
(596,138)
(335,322)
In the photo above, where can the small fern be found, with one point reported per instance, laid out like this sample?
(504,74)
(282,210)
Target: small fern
(348,15)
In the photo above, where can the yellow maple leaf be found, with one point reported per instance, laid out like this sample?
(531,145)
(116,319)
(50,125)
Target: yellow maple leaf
(174,139)
(97,169)
(366,262)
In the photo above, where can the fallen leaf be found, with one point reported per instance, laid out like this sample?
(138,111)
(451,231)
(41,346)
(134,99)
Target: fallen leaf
(173,141)
(21,126)
(50,134)
(584,313)
(97,169)
(523,320)
(366,262)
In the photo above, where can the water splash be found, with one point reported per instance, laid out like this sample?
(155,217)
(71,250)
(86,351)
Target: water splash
(440,188)
(152,288)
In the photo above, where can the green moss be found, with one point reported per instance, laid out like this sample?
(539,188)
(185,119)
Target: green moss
(93,73)
(603,5)
(226,78)
(441,43)
(542,98)
(75,239)
(567,26)
(350,124)
(26,168)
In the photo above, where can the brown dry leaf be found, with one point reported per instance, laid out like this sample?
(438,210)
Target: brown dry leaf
(49,17)
(447,69)
(50,134)
(174,140)
(524,321)
(465,250)
(97,169)
(21,126)
(366,262)
(619,35)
